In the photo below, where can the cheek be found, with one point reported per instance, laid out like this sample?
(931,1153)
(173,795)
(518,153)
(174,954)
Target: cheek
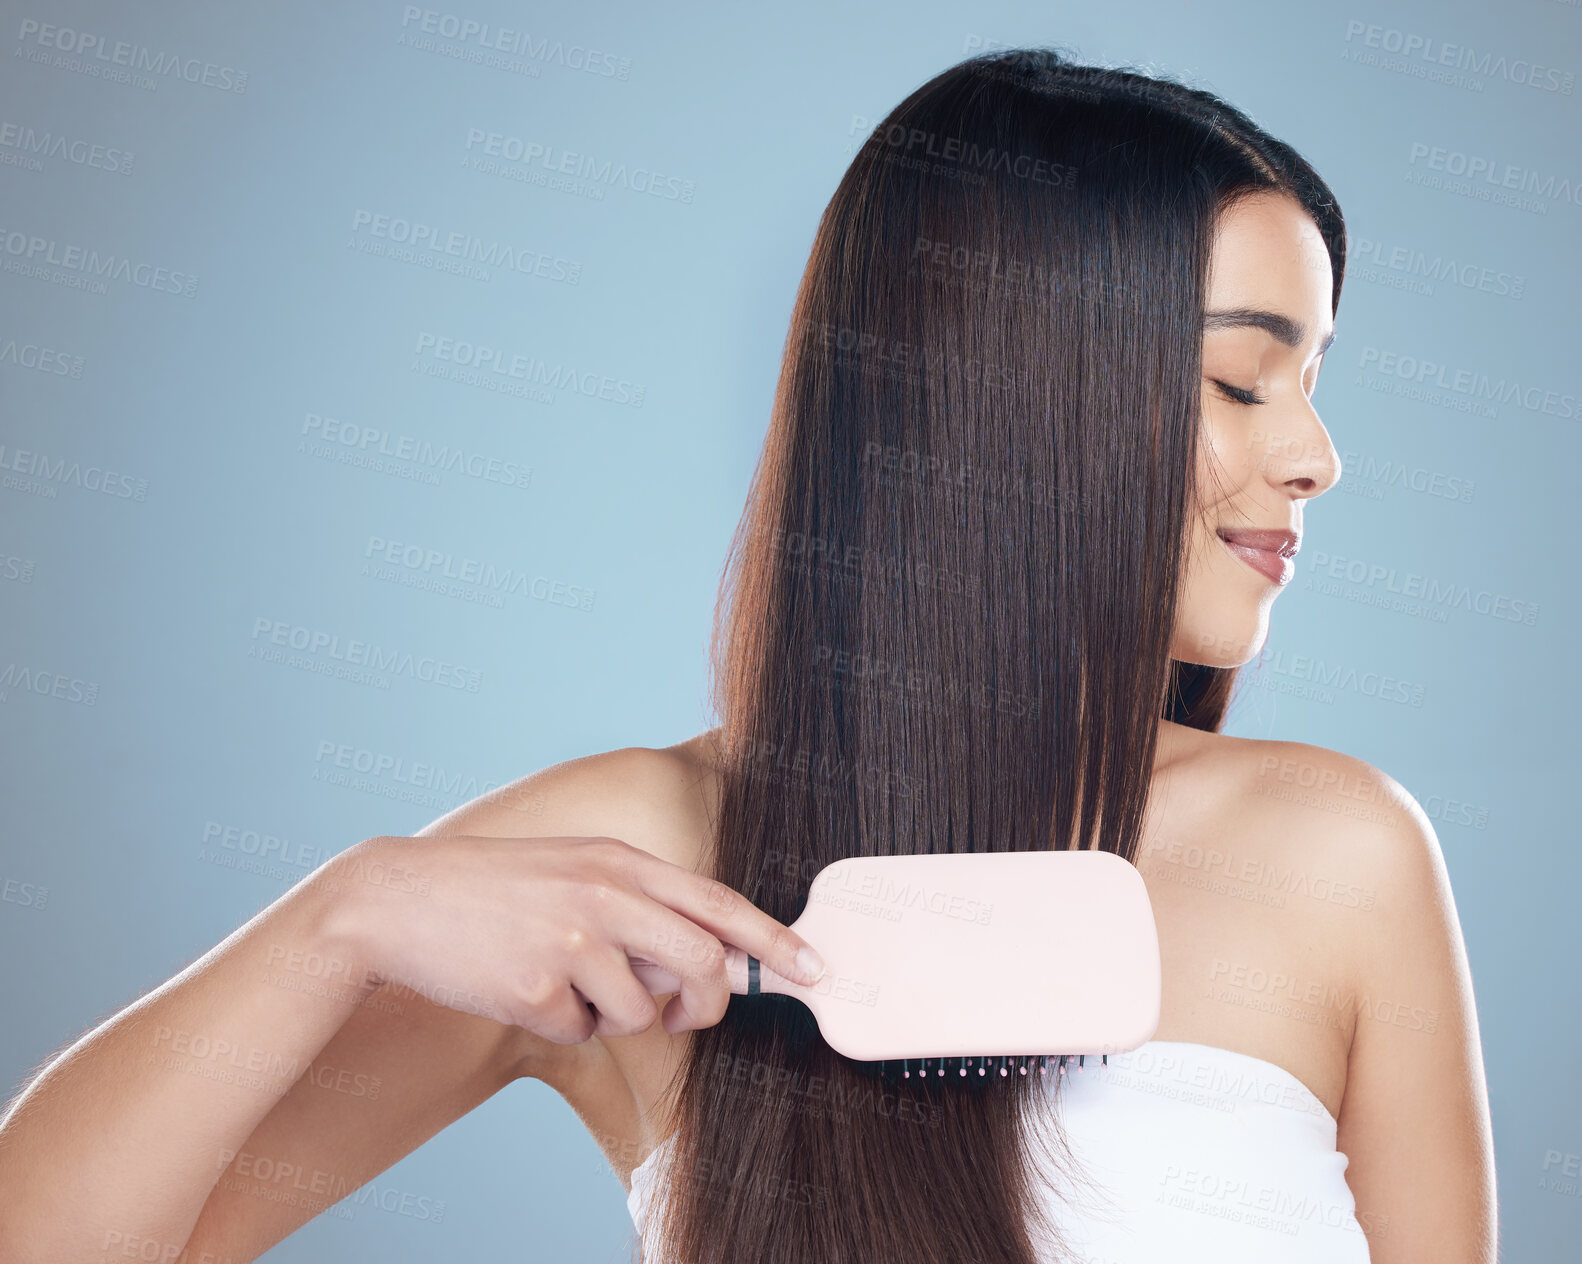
(1225,456)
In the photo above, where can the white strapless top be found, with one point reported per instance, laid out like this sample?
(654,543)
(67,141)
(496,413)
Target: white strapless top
(1191,1153)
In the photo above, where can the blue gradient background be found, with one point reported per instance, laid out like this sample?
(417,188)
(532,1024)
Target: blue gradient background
(155,601)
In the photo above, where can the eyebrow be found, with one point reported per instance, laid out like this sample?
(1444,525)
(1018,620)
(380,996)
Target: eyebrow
(1290,332)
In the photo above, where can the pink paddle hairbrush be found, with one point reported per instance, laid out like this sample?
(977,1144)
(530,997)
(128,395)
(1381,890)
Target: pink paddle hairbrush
(996,960)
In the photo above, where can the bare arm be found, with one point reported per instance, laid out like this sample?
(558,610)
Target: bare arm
(119,1136)
(1415,1117)
(367,1074)
(433,1063)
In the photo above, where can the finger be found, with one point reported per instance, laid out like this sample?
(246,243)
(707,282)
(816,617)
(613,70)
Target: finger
(729,916)
(690,956)
(658,980)
(622,1006)
(696,1005)
(549,1008)
(561,1017)
(667,951)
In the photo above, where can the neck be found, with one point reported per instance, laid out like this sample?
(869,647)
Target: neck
(1173,743)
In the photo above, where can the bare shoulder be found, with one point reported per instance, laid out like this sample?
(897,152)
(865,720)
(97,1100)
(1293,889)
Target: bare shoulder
(1414,1117)
(656,798)
(1363,818)
(1326,803)
(1356,841)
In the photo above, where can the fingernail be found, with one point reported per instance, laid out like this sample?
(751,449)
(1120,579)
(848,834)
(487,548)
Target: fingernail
(811,965)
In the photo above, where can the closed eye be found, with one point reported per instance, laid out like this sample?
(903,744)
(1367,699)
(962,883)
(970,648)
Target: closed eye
(1237,394)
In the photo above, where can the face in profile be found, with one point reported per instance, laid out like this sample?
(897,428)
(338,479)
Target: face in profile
(1264,452)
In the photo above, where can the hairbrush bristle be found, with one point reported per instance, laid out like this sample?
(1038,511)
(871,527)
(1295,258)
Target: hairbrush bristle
(984,1067)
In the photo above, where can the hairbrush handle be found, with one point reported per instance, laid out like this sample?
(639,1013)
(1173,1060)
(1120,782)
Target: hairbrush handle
(745,974)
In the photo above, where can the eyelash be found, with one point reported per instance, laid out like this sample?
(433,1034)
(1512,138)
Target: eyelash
(1237,394)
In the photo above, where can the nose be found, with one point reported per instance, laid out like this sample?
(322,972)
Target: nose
(1299,458)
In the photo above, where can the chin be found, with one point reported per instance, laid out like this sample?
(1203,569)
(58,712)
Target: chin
(1221,646)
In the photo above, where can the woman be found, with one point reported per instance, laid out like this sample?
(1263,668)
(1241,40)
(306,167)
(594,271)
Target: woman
(1035,475)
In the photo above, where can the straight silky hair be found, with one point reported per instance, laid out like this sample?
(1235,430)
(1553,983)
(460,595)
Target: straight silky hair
(944,624)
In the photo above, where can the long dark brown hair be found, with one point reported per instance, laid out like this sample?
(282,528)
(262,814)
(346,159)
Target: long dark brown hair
(945,621)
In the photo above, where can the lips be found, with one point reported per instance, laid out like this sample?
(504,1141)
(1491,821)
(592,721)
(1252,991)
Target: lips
(1267,551)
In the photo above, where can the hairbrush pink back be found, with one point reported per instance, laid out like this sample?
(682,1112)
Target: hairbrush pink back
(972,954)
